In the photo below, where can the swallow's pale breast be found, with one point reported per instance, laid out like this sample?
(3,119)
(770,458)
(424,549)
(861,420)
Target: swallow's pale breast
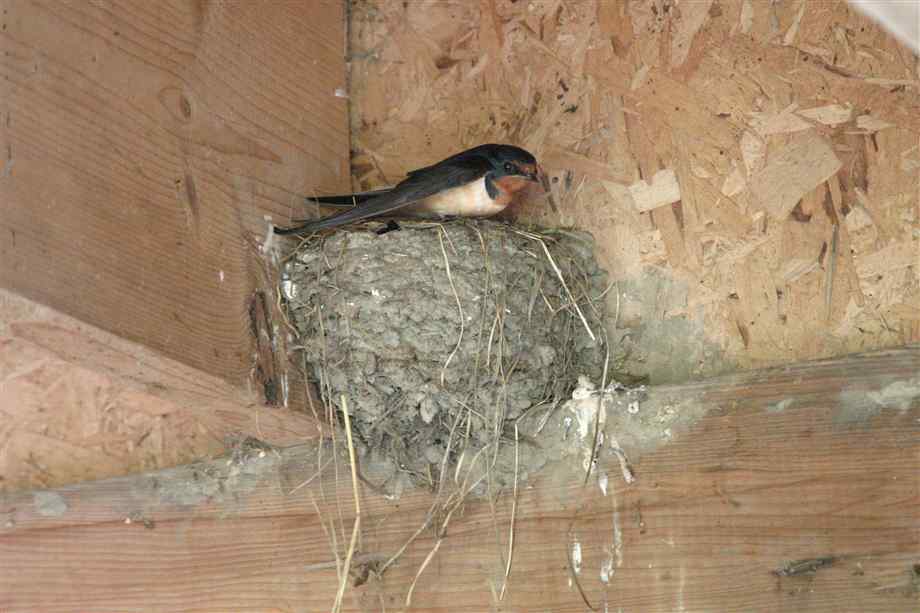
(470,200)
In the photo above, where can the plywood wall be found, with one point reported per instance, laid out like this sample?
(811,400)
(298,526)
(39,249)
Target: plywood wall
(749,169)
(143,144)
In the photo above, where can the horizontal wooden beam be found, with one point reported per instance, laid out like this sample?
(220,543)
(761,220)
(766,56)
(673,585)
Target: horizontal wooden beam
(798,490)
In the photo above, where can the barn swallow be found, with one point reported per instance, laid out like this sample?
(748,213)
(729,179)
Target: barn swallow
(478,182)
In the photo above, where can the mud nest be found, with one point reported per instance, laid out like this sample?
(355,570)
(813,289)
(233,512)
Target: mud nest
(444,337)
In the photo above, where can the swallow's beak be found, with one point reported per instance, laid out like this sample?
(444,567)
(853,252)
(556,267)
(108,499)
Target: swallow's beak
(539,176)
(531,172)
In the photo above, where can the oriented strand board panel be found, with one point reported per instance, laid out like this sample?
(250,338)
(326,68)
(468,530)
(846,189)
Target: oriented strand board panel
(143,143)
(78,404)
(797,491)
(788,227)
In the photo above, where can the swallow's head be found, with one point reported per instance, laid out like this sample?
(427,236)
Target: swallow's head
(510,161)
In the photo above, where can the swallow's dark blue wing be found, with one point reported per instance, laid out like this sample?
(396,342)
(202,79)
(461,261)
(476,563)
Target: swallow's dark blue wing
(452,172)
(461,159)
(474,156)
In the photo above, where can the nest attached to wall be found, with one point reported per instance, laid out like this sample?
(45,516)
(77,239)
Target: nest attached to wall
(448,338)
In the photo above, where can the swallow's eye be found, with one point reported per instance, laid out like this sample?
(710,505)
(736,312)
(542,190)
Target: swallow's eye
(509,167)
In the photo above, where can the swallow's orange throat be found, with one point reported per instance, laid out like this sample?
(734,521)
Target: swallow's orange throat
(509,186)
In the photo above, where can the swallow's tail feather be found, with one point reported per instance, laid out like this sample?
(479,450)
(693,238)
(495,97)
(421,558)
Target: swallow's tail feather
(350,215)
(347,200)
(387,202)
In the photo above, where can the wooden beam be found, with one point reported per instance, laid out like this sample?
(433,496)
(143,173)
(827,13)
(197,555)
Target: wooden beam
(798,490)
(141,146)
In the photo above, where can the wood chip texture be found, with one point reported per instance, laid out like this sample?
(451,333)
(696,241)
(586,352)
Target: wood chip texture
(778,122)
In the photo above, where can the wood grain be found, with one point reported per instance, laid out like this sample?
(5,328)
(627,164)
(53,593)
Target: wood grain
(815,461)
(142,144)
